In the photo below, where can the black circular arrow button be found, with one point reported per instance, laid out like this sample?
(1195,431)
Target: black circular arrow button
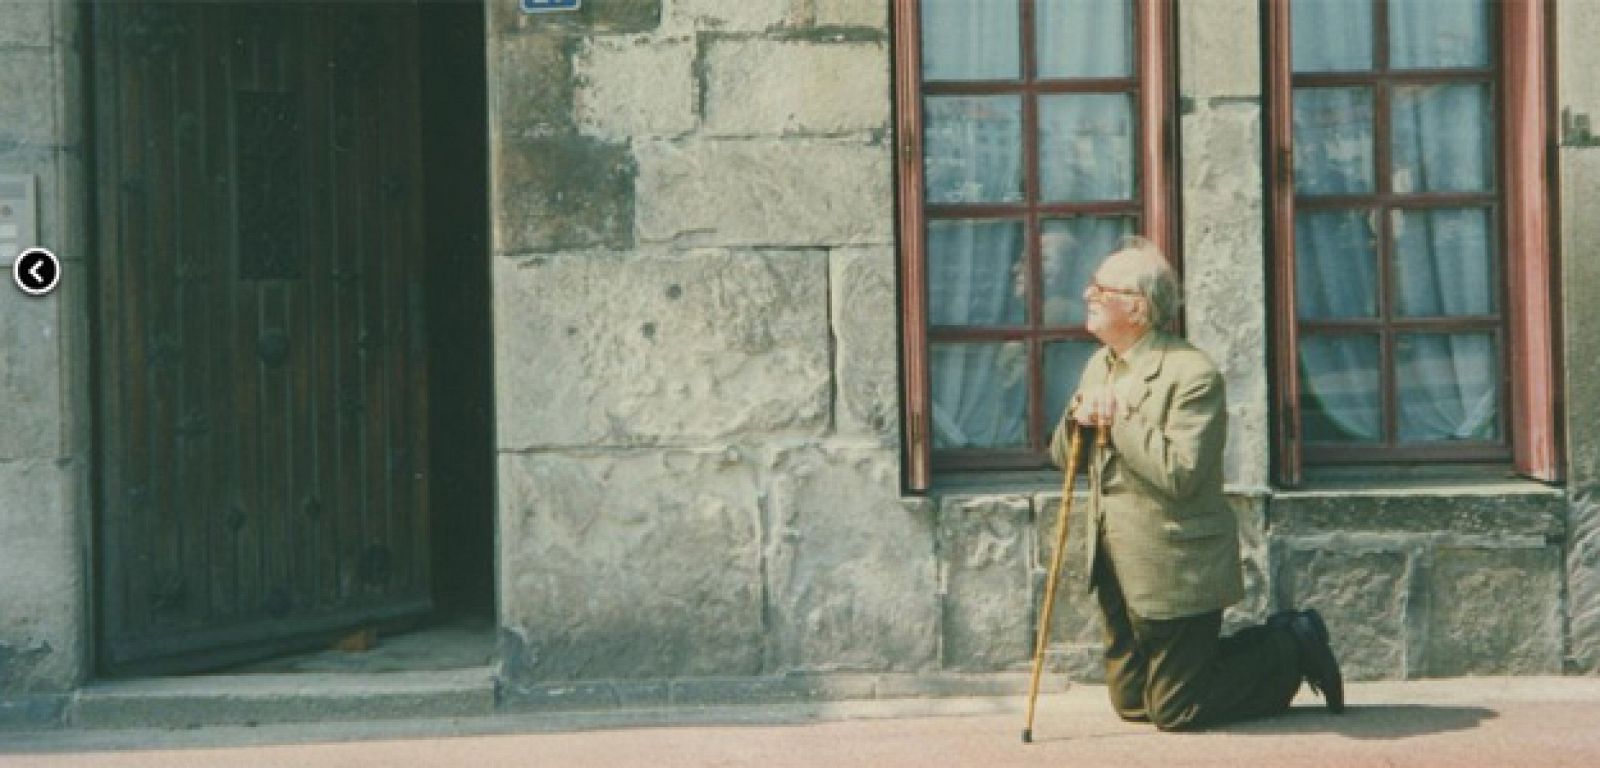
(37,271)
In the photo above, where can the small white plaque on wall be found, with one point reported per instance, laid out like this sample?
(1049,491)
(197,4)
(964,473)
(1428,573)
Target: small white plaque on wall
(19,219)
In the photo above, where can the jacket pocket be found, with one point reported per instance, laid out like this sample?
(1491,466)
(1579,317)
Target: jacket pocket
(1197,527)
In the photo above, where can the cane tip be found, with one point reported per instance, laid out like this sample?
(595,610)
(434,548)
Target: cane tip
(1027,736)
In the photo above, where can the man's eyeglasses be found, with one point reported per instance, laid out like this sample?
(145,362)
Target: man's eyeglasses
(1095,290)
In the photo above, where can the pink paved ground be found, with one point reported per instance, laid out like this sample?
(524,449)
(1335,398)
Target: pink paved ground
(1491,722)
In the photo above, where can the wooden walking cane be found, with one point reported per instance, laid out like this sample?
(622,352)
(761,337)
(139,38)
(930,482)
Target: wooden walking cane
(1056,559)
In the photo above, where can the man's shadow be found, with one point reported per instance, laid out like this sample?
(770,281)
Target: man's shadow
(1395,721)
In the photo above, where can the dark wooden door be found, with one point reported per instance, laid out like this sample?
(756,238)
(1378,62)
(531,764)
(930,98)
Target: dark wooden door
(262,369)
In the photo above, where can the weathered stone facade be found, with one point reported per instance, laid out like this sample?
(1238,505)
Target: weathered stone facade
(696,373)
(761,140)
(698,384)
(44,441)
(1578,100)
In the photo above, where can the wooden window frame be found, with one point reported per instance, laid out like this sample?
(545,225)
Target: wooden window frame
(1152,84)
(1526,328)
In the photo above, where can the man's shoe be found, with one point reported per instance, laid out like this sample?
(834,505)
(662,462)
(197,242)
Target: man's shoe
(1317,663)
(1318,666)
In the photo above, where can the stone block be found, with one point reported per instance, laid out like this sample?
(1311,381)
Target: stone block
(1225,295)
(1583,581)
(634,349)
(735,16)
(765,192)
(1076,618)
(866,344)
(563,193)
(851,574)
(1364,595)
(1578,58)
(1494,611)
(42,591)
(1076,645)
(580,695)
(870,14)
(593,17)
(1219,43)
(30,374)
(630,566)
(26,23)
(33,712)
(987,563)
(1496,510)
(788,87)
(532,83)
(27,78)
(1255,561)
(1580,278)
(635,87)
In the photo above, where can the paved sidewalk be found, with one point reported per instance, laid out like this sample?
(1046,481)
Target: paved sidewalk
(1463,722)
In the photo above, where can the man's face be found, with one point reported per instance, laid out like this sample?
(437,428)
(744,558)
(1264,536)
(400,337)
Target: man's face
(1113,301)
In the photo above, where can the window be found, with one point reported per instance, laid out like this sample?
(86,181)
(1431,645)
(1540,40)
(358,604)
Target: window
(1034,136)
(1412,250)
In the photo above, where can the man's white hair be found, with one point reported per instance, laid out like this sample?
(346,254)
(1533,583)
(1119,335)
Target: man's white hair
(1153,277)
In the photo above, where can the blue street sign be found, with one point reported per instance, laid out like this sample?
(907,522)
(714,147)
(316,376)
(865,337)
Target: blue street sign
(546,6)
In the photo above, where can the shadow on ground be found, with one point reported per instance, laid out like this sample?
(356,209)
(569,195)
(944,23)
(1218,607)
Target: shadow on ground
(1376,722)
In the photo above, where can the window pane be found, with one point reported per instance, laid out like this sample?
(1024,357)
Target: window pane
(1441,262)
(1438,33)
(980,395)
(1069,252)
(974,273)
(1443,139)
(1333,141)
(966,40)
(1336,257)
(1084,38)
(1063,366)
(1086,147)
(1447,386)
(974,149)
(1331,35)
(1339,397)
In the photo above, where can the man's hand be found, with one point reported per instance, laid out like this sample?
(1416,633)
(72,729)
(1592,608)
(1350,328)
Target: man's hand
(1097,409)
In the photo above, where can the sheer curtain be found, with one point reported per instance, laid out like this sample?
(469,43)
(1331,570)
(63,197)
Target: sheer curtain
(979,390)
(1441,140)
(973,154)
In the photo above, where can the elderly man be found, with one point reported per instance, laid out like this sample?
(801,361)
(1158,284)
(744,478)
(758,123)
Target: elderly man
(1162,543)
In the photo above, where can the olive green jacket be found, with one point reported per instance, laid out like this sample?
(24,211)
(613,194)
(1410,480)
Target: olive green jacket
(1156,489)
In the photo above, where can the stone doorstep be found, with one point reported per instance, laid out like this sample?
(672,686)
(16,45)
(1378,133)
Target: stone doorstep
(209,700)
(262,699)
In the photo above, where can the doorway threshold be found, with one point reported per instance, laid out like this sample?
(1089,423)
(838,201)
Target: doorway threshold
(283,697)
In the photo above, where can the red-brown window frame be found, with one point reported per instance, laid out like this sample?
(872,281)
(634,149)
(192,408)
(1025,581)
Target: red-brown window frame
(1153,76)
(1524,131)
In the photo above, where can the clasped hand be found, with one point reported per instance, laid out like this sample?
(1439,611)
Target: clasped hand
(1096,409)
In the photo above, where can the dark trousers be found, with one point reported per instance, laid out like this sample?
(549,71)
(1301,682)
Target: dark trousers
(1178,674)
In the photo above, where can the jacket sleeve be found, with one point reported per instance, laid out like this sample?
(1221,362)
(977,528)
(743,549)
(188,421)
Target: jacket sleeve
(1177,458)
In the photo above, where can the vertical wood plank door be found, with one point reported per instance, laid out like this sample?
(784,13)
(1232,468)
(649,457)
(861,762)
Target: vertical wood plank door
(261,366)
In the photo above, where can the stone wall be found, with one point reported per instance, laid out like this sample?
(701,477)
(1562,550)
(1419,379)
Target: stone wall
(695,345)
(44,439)
(1420,582)
(698,394)
(1224,217)
(1578,104)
